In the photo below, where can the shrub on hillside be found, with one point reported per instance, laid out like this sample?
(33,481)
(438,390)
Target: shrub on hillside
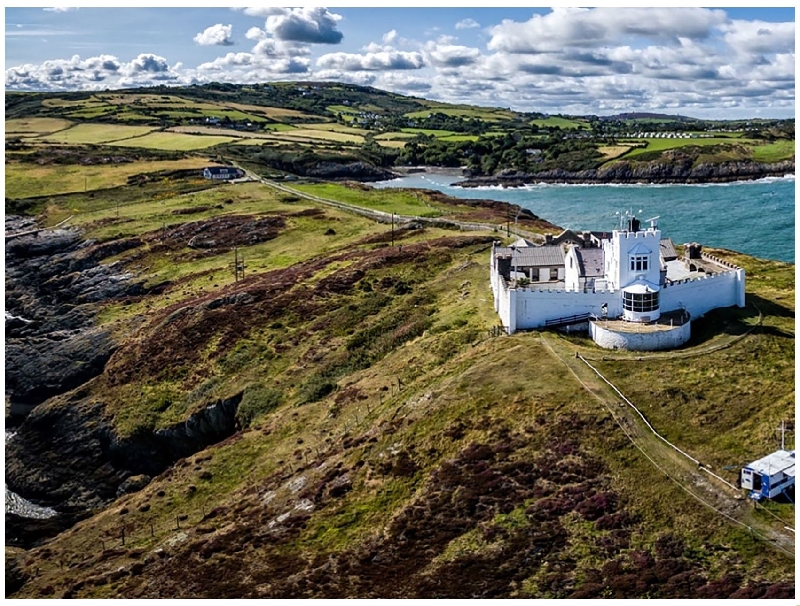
(256,401)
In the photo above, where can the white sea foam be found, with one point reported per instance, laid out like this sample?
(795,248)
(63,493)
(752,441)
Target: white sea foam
(22,507)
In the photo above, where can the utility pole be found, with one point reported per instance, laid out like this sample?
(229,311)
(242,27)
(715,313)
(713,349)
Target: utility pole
(238,265)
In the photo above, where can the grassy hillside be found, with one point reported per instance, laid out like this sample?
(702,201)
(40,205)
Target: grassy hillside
(316,123)
(390,443)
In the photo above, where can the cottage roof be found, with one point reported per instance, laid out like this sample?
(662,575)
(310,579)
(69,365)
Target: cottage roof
(668,252)
(591,262)
(534,256)
(222,170)
(522,242)
(780,460)
(639,249)
(568,236)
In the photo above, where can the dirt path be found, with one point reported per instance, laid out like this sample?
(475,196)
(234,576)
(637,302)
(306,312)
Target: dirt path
(697,481)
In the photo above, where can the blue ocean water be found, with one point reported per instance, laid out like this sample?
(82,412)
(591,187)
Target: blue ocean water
(753,217)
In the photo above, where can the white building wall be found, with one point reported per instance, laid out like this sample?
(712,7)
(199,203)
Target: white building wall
(535,307)
(617,254)
(640,341)
(531,307)
(571,270)
(701,295)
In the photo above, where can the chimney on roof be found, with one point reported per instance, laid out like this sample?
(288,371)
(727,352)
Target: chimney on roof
(695,250)
(548,238)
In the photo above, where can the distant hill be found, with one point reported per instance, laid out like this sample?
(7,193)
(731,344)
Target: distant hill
(336,130)
(649,116)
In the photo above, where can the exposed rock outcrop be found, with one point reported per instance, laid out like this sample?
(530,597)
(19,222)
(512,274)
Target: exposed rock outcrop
(54,278)
(677,170)
(76,429)
(359,171)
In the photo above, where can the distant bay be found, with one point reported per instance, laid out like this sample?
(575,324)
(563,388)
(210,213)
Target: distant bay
(752,217)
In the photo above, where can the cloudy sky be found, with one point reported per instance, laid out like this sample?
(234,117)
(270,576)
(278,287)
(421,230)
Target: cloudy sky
(713,63)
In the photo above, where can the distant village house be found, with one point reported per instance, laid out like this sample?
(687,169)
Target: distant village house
(222,173)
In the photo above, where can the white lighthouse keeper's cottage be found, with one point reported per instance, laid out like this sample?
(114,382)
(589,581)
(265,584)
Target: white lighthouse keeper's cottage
(630,278)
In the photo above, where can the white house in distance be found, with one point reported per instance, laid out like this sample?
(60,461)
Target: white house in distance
(222,173)
(628,284)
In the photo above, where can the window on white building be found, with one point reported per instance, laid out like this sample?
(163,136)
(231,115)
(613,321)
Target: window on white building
(640,262)
(640,302)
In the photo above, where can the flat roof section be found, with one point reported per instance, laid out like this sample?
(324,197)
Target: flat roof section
(667,321)
(780,460)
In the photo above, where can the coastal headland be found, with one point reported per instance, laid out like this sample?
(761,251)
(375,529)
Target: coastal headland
(285,386)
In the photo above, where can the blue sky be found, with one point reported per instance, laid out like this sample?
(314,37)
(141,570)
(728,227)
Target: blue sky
(715,62)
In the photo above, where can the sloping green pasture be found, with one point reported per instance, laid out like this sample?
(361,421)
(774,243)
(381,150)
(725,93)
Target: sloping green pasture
(25,180)
(34,127)
(83,134)
(173,141)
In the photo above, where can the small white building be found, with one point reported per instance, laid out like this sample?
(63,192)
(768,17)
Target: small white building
(222,173)
(770,476)
(628,284)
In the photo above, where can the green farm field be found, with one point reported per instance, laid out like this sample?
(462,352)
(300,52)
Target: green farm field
(487,115)
(774,152)
(83,134)
(388,201)
(217,131)
(34,127)
(394,136)
(334,127)
(28,181)
(433,132)
(303,134)
(174,141)
(554,121)
(664,144)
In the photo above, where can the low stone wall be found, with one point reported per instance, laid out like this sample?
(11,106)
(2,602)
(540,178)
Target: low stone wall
(640,341)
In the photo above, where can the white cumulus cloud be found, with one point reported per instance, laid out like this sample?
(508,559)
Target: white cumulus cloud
(379,61)
(596,27)
(215,35)
(467,24)
(450,55)
(309,25)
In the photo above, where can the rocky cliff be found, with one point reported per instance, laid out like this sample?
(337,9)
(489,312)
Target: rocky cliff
(54,281)
(678,169)
(75,428)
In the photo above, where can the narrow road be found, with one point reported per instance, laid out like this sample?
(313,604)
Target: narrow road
(385,217)
(698,482)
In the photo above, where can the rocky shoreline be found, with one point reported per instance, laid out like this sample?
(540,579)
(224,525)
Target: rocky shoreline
(55,284)
(656,173)
(54,281)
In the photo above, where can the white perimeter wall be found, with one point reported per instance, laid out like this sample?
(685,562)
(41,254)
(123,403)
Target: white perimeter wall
(535,307)
(522,309)
(640,341)
(701,295)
